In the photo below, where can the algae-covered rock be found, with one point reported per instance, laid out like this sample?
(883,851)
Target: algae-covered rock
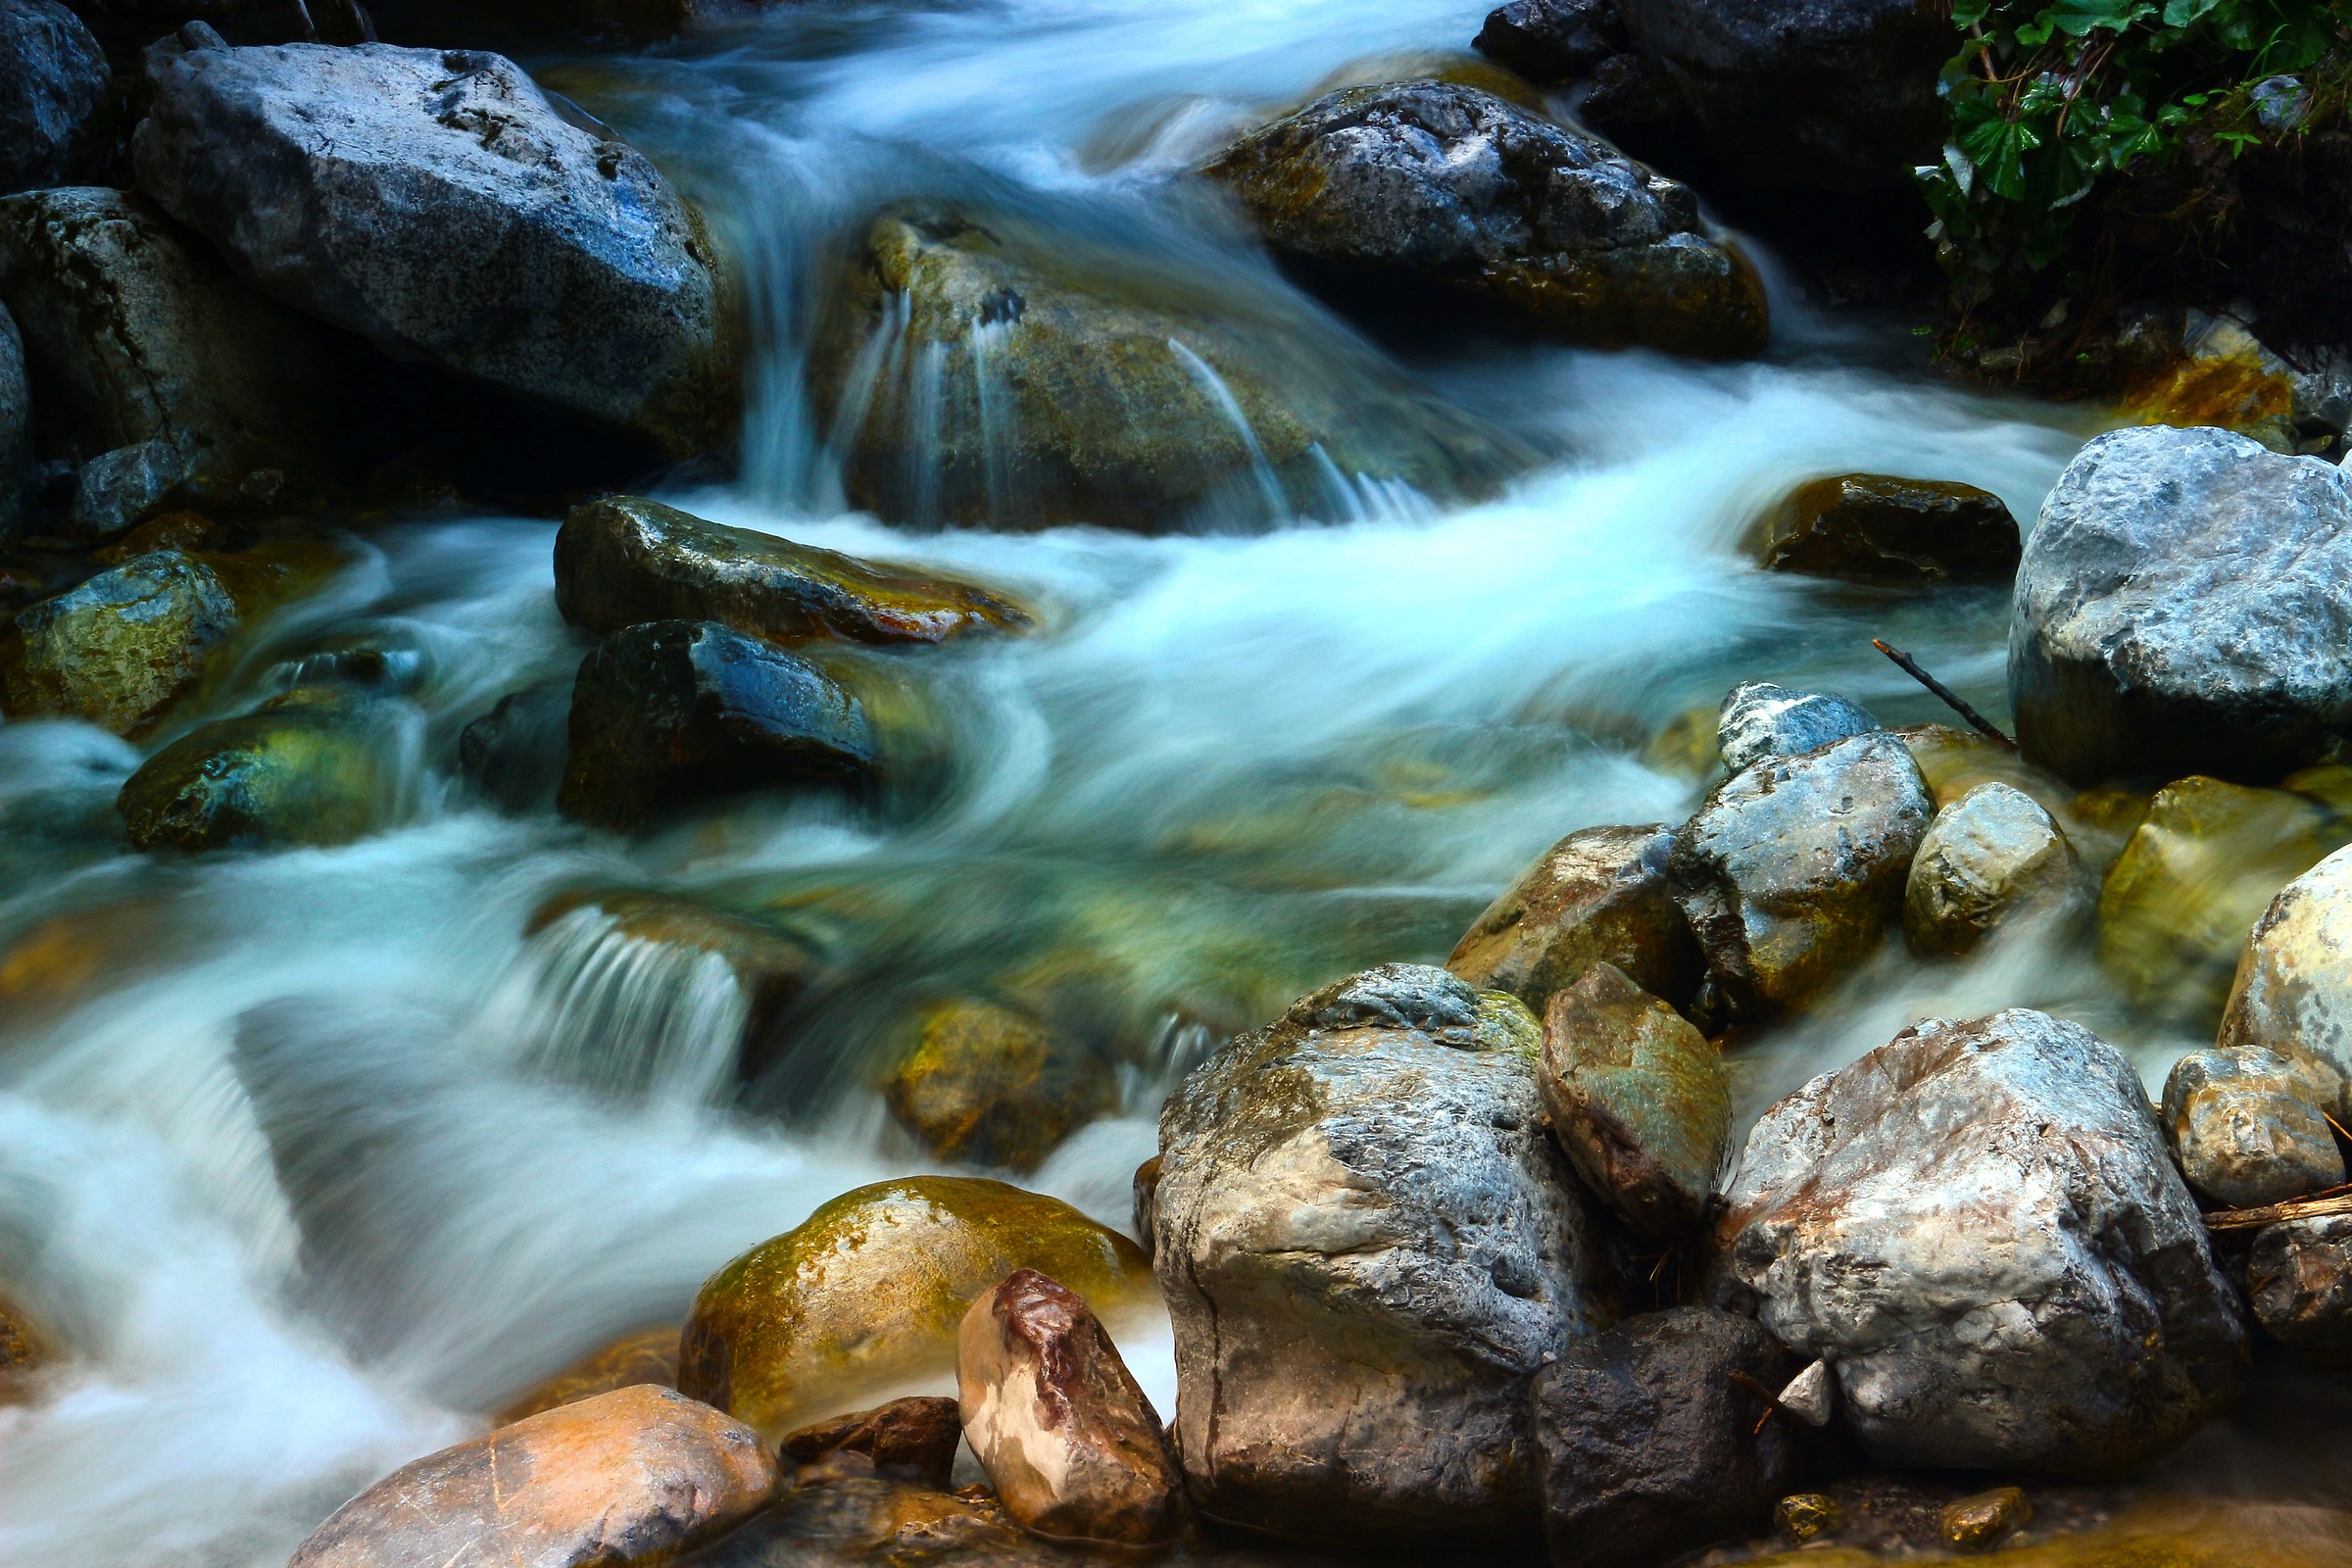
(25,1350)
(1872,527)
(1598,895)
(865,1295)
(2205,863)
(1639,1101)
(991,1086)
(1990,856)
(649,1355)
(973,371)
(2250,1125)
(1438,183)
(623,559)
(318,764)
(2294,990)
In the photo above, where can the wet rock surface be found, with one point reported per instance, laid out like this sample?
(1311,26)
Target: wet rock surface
(1979,1225)
(2250,1125)
(2185,605)
(634,1476)
(1759,720)
(53,86)
(1368,1244)
(1990,856)
(678,710)
(991,1086)
(1650,1438)
(1437,182)
(868,1294)
(315,765)
(16,430)
(1054,1415)
(25,1350)
(1873,527)
(910,1440)
(623,559)
(2294,990)
(1597,895)
(2299,1283)
(647,1357)
(1638,1102)
(1792,869)
(457,216)
(1051,384)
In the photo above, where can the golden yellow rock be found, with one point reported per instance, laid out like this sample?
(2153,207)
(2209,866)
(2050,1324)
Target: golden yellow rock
(1808,1517)
(990,1086)
(23,1351)
(1984,1519)
(649,1355)
(864,1299)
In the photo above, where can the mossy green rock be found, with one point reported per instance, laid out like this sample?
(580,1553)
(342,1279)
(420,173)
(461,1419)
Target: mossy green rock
(315,765)
(1639,1099)
(990,1086)
(975,372)
(865,1295)
(623,559)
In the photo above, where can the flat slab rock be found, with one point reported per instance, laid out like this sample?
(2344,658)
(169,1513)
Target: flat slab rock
(1980,1228)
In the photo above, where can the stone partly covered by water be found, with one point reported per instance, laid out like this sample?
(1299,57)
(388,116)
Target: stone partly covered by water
(2250,1125)
(1597,895)
(973,370)
(435,202)
(1369,1245)
(1759,720)
(1990,856)
(1872,527)
(1980,1228)
(2185,605)
(318,764)
(866,1295)
(1424,182)
(991,1086)
(914,1438)
(2294,990)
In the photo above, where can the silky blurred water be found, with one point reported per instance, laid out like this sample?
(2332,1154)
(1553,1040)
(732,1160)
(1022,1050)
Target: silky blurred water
(314,1155)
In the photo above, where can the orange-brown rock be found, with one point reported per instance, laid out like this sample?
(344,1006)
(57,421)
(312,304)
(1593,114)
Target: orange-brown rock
(1059,1422)
(910,1440)
(628,1478)
(649,1355)
(24,1351)
(1597,895)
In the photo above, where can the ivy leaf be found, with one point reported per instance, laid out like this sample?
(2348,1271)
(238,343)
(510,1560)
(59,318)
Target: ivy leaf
(2077,17)
(2180,12)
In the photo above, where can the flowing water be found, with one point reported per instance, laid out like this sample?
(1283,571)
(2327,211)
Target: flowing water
(1311,733)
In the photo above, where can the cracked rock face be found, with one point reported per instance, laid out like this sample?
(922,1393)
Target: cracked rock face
(1370,1243)
(1980,1228)
(435,202)
(1438,181)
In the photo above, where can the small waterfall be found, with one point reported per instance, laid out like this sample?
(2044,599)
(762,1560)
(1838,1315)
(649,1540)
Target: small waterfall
(1212,385)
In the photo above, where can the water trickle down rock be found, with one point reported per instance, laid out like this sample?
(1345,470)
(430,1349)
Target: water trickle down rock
(1435,183)
(1980,1228)
(1368,1245)
(1597,895)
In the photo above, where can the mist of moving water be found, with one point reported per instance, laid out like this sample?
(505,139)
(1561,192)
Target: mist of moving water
(315,1155)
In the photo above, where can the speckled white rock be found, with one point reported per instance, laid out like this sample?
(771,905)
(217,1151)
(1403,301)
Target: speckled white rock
(1759,719)
(1992,854)
(2293,991)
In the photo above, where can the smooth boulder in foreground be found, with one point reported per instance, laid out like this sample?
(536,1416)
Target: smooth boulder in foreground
(1433,182)
(1978,1227)
(435,202)
(2184,605)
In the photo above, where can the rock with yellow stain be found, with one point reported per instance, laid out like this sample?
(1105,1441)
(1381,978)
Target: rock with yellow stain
(1597,895)
(2217,373)
(25,1350)
(863,1299)
(989,1086)
(633,1476)
(318,764)
(649,1355)
(2206,862)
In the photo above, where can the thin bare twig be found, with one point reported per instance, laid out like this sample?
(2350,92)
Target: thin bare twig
(2246,1219)
(1910,667)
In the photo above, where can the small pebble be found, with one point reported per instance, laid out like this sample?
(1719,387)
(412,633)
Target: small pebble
(1808,1517)
(1984,1519)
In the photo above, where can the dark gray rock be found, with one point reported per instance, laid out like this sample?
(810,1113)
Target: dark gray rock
(1551,41)
(1980,1228)
(2299,1279)
(1876,527)
(16,429)
(1759,719)
(1369,1245)
(677,710)
(1437,183)
(437,203)
(53,89)
(1649,1446)
(116,491)
(2184,605)
(2250,1125)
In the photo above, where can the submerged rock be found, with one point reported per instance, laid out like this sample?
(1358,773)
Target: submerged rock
(1978,1227)
(624,561)
(1368,1247)
(1639,1101)
(1597,895)
(647,1356)
(1652,1440)
(1872,527)
(2294,990)
(318,764)
(911,1439)
(990,1086)
(2299,1279)
(436,202)
(2197,874)
(1985,1518)
(674,711)
(1990,856)
(2250,1126)
(1437,182)
(53,86)
(1057,1421)
(866,1295)
(1792,869)
(2184,605)
(25,1350)
(631,1477)
(1759,720)
(976,372)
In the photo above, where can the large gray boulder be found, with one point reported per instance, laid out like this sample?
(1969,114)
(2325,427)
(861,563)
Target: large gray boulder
(2184,605)
(436,202)
(1369,1247)
(1437,182)
(53,87)
(1978,1227)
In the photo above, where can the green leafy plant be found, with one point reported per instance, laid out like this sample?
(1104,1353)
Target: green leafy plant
(2045,102)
